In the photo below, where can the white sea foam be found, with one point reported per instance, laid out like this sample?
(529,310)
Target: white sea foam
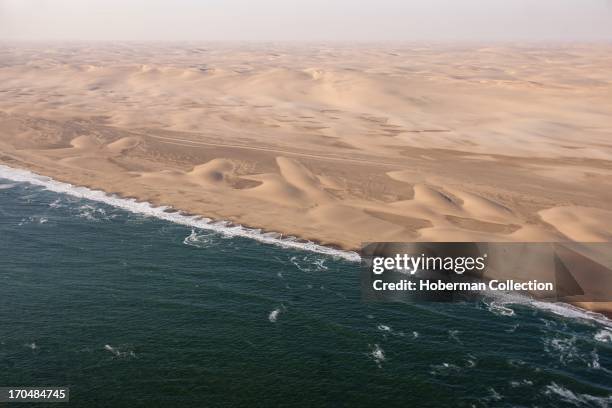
(604,336)
(273,316)
(384,328)
(595,364)
(198,240)
(6,186)
(566,395)
(522,383)
(388,330)
(111,349)
(56,203)
(561,309)
(92,213)
(378,355)
(499,309)
(118,353)
(309,263)
(35,220)
(224,228)
(564,349)
(319,263)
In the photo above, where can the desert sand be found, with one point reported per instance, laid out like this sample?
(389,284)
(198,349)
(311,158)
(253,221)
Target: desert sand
(336,143)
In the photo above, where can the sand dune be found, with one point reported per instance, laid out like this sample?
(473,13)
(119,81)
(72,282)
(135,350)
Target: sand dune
(583,224)
(124,144)
(213,172)
(84,142)
(339,144)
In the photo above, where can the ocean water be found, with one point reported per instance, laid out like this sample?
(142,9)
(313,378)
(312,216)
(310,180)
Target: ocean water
(129,310)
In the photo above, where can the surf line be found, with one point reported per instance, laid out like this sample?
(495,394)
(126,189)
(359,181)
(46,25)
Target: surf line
(162,212)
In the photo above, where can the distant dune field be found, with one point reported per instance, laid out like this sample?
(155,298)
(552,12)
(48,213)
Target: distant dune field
(334,143)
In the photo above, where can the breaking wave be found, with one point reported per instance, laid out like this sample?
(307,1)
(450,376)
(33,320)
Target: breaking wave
(560,309)
(6,186)
(139,207)
(568,396)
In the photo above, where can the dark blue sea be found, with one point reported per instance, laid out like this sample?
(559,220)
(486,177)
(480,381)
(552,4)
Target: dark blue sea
(132,311)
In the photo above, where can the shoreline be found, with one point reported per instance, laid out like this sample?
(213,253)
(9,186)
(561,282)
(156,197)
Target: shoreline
(171,214)
(230,229)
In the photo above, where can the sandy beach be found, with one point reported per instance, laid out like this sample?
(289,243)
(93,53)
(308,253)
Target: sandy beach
(339,144)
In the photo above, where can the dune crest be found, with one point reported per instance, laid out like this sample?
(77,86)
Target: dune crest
(123,144)
(84,142)
(213,172)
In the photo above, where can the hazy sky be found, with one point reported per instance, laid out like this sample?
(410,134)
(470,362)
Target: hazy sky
(358,20)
